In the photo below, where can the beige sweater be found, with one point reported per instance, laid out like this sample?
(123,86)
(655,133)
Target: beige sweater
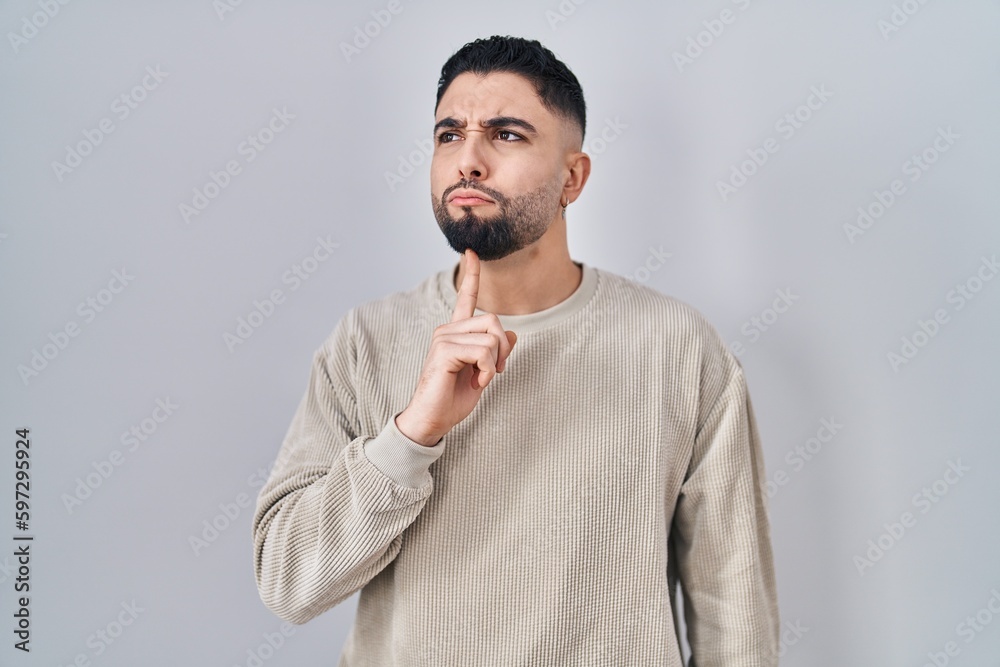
(617,455)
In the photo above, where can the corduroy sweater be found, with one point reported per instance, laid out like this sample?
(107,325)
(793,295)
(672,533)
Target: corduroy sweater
(616,456)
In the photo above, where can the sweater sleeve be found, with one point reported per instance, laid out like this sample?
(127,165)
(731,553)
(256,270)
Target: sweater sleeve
(721,536)
(332,512)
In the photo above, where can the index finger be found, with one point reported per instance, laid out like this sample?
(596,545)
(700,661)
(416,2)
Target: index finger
(468,293)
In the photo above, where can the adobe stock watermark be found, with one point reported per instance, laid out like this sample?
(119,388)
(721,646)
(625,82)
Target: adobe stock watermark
(213,527)
(223,7)
(101,640)
(899,17)
(562,12)
(266,649)
(364,34)
(594,321)
(802,453)
(6,569)
(405,337)
(968,628)
(915,166)
(295,276)
(960,295)
(88,309)
(789,635)
(249,149)
(30,26)
(132,439)
(923,500)
(610,132)
(407,165)
(754,327)
(655,260)
(703,39)
(122,107)
(786,126)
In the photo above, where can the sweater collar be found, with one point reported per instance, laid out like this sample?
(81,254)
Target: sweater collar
(529,322)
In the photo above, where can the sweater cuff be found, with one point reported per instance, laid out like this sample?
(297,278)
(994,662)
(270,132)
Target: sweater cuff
(401,459)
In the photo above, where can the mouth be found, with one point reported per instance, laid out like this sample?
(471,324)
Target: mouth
(469,198)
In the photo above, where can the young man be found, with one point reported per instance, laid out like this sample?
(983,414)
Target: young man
(516,461)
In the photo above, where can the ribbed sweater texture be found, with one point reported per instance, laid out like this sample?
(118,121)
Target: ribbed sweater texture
(615,457)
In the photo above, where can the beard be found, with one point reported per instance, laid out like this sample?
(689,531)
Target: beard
(520,221)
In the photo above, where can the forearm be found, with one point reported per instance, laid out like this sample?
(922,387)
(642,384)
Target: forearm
(320,535)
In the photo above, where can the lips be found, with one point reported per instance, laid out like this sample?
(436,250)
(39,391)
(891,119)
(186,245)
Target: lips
(469,197)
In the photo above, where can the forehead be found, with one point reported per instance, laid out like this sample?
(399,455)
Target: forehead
(496,94)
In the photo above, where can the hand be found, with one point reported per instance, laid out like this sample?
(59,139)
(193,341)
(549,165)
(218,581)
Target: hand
(465,354)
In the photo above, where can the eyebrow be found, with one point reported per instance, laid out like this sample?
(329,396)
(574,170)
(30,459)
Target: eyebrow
(498,121)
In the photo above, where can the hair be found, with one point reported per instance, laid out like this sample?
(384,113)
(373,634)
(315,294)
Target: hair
(555,84)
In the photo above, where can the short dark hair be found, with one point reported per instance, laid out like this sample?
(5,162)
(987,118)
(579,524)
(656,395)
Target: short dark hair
(554,83)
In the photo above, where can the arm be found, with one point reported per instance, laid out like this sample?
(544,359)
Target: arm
(722,539)
(331,514)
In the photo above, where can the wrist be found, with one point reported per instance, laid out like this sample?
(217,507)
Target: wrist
(413,432)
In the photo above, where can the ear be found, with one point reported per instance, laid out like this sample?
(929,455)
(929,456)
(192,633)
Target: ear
(578,166)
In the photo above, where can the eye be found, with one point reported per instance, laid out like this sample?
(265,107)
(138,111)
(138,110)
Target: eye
(441,137)
(508,132)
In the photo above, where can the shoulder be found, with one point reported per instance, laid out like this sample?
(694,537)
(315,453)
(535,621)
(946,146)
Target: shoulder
(663,314)
(662,319)
(372,321)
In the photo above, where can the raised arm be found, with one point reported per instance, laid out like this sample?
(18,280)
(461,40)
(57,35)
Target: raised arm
(330,516)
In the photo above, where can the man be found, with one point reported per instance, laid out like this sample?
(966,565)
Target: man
(516,461)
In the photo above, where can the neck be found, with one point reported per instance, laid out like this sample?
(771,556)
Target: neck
(529,280)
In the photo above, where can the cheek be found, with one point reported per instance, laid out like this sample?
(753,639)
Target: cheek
(530,174)
(533,181)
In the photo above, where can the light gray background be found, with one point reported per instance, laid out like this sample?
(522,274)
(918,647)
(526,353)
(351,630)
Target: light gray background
(653,186)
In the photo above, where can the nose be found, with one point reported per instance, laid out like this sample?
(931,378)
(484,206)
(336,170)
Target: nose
(471,158)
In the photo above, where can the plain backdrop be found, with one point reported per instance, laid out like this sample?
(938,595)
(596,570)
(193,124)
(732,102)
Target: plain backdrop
(823,177)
